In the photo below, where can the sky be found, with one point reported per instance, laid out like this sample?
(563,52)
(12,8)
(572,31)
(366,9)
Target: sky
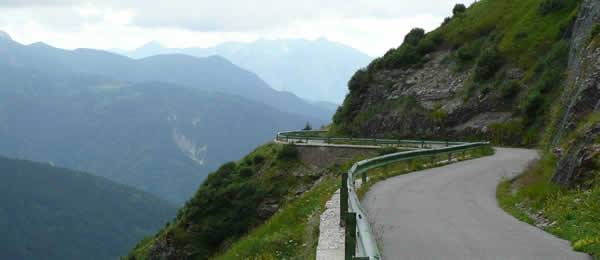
(372,26)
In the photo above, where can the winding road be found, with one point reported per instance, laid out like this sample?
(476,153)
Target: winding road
(451,212)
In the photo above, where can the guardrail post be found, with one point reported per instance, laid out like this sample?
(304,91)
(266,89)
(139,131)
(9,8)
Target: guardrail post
(364,178)
(422,143)
(343,198)
(449,157)
(350,243)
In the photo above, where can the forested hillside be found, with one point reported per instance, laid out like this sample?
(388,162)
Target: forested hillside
(55,213)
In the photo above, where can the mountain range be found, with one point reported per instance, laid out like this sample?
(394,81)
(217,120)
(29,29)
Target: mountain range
(159,124)
(315,70)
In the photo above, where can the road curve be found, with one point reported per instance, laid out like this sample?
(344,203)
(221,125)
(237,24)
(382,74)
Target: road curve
(451,212)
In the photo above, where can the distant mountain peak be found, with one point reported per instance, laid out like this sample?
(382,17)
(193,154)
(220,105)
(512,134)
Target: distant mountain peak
(5,36)
(41,45)
(152,45)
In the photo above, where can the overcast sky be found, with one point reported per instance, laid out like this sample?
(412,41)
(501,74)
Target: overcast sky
(372,26)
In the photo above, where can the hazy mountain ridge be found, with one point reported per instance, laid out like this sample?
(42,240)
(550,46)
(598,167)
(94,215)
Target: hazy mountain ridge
(160,137)
(315,70)
(54,213)
(209,73)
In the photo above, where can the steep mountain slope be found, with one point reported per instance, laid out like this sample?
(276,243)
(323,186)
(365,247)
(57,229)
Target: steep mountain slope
(157,137)
(55,213)
(211,73)
(315,70)
(244,195)
(488,71)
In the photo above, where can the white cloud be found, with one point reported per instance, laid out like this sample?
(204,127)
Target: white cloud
(370,25)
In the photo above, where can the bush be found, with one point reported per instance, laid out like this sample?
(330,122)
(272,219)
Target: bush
(414,36)
(459,9)
(509,89)
(246,171)
(307,127)
(258,159)
(425,46)
(446,21)
(488,64)
(465,53)
(550,6)
(288,152)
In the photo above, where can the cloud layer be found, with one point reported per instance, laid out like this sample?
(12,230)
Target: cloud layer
(373,25)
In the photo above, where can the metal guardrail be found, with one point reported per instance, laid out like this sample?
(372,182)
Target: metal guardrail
(358,230)
(319,136)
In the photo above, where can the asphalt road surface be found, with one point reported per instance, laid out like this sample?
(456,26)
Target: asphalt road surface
(451,212)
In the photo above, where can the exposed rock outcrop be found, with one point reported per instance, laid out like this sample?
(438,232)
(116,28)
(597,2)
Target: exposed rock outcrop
(429,101)
(580,98)
(578,163)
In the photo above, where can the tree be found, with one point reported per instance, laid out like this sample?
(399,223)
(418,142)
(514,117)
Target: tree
(459,9)
(307,127)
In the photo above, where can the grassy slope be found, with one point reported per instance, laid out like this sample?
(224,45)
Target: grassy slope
(221,222)
(293,232)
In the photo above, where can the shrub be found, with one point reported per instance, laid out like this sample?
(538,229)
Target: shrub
(509,89)
(459,9)
(425,46)
(414,36)
(404,56)
(258,159)
(550,6)
(288,152)
(246,171)
(359,81)
(307,127)
(446,20)
(488,64)
(465,53)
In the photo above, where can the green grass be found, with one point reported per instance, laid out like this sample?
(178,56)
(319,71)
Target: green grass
(225,206)
(575,213)
(292,233)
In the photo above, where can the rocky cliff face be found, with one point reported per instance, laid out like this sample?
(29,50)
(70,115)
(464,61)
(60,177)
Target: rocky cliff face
(580,101)
(428,101)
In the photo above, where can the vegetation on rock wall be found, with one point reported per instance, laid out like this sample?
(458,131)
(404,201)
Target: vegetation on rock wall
(515,52)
